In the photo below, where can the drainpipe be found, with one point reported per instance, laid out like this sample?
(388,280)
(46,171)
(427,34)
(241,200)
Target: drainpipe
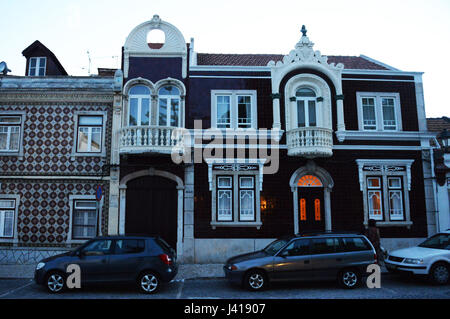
(435,189)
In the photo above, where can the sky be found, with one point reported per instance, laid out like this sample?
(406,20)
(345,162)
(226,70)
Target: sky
(409,35)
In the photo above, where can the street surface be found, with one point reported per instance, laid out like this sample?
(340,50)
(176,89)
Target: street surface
(392,287)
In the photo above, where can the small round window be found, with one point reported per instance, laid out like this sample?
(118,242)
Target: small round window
(156,39)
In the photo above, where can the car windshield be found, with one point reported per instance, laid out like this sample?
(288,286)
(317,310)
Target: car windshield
(275,246)
(439,241)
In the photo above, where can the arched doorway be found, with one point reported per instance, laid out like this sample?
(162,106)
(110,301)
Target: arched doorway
(151,208)
(311,187)
(151,203)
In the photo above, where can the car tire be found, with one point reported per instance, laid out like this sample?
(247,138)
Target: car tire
(148,282)
(255,280)
(439,274)
(349,278)
(55,282)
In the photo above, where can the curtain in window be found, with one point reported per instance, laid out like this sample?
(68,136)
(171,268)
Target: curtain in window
(375,200)
(224,204)
(246,204)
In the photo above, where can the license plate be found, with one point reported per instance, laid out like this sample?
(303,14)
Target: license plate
(391,266)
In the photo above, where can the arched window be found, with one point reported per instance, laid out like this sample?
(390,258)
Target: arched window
(309,181)
(306,107)
(139,106)
(169,106)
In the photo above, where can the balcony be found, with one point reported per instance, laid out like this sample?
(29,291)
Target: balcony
(149,139)
(310,142)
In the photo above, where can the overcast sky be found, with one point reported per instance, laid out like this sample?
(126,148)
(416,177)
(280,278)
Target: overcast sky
(407,34)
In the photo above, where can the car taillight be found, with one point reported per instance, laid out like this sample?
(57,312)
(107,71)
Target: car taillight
(166,259)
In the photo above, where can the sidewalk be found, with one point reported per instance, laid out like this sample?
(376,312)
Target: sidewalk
(185,271)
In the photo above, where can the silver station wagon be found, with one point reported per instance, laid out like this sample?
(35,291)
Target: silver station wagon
(320,256)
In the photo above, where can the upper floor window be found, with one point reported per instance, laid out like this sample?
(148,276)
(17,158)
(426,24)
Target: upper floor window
(234,109)
(379,111)
(10,131)
(169,106)
(306,107)
(37,66)
(90,133)
(139,106)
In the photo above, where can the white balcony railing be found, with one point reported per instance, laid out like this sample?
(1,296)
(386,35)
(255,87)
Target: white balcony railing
(158,139)
(310,142)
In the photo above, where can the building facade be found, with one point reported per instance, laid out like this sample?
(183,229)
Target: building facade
(55,137)
(221,153)
(217,153)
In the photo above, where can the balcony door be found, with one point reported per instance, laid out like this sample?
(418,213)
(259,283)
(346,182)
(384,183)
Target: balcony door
(306,108)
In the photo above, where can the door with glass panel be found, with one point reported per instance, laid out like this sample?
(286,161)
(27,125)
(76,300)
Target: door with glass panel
(139,113)
(306,108)
(311,204)
(169,106)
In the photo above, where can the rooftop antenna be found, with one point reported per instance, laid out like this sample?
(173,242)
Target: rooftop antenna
(89,67)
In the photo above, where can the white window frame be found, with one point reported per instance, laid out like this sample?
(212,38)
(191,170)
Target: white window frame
(139,97)
(234,112)
(306,101)
(15,238)
(72,200)
(386,169)
(21,115)
(378,96)
(38,61)
(77,115)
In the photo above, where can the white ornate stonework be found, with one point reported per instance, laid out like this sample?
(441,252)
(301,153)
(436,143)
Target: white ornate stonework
(136,43)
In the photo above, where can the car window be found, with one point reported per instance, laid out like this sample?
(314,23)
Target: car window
(275,246)
(324,245)
(299,247)
(354,244)
(439,241)
(98,247)
(129,246)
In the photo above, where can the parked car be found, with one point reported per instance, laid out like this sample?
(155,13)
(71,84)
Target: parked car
(144,261)
(321,256)
(430,258)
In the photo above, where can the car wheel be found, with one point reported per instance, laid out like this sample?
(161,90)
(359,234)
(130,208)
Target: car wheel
(55,282)
(439,274)
(255,280)
(148,282)
(349,278)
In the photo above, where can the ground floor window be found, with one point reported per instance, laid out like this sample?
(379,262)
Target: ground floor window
(84,219)
(7,217)
(385,185)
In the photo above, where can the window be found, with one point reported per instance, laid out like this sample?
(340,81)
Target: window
(129,246)
(324,245)
(10,133)
(299,247)
(84,219)
(379,111)
(7,217)
(385,185)
(139,106)
(37,66)
(306,107)
(98,248)
(224,198)
(169,106)
(233,109)
(354,244)
(90,133)
(246,198)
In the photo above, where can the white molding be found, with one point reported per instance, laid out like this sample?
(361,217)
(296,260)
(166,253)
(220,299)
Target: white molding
(72,198)
(377,96)
(388,135)
(102,152)
(22,114)
(15,238)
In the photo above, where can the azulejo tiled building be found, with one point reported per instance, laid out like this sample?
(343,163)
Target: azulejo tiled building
(216,153)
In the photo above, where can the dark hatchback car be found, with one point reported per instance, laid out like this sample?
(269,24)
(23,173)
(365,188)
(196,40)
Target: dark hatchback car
(324,256)
(144,261)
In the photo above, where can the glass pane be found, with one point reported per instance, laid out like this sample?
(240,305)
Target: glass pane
(246,204)
(7,203)
(41,71)
(162,112)
(85,204)
(312,113)
(304,92)
(3,137)
(96,139)
(224,182)
(246,182)
(302,209)
(83,139)
(175,112)
(373,182)
(317,210)
(224,205)
(223,112)
(375,210)
(133,112)
(300,113)
(42,62)
(324,245)
(90,120)
(10,119)
(139,90)
(129,246)
(98,247)
(244,112)
(145,111)
(396,205)
(14,138)
(33,62)
(8,227)
(169,90)
(388,114)
(369,119)
(394,182)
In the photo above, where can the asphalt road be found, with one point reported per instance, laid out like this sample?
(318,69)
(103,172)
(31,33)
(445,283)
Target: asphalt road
(392,287)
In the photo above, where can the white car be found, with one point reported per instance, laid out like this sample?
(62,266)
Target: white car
(431,258)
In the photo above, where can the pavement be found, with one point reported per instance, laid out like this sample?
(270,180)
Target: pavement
(185,271)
